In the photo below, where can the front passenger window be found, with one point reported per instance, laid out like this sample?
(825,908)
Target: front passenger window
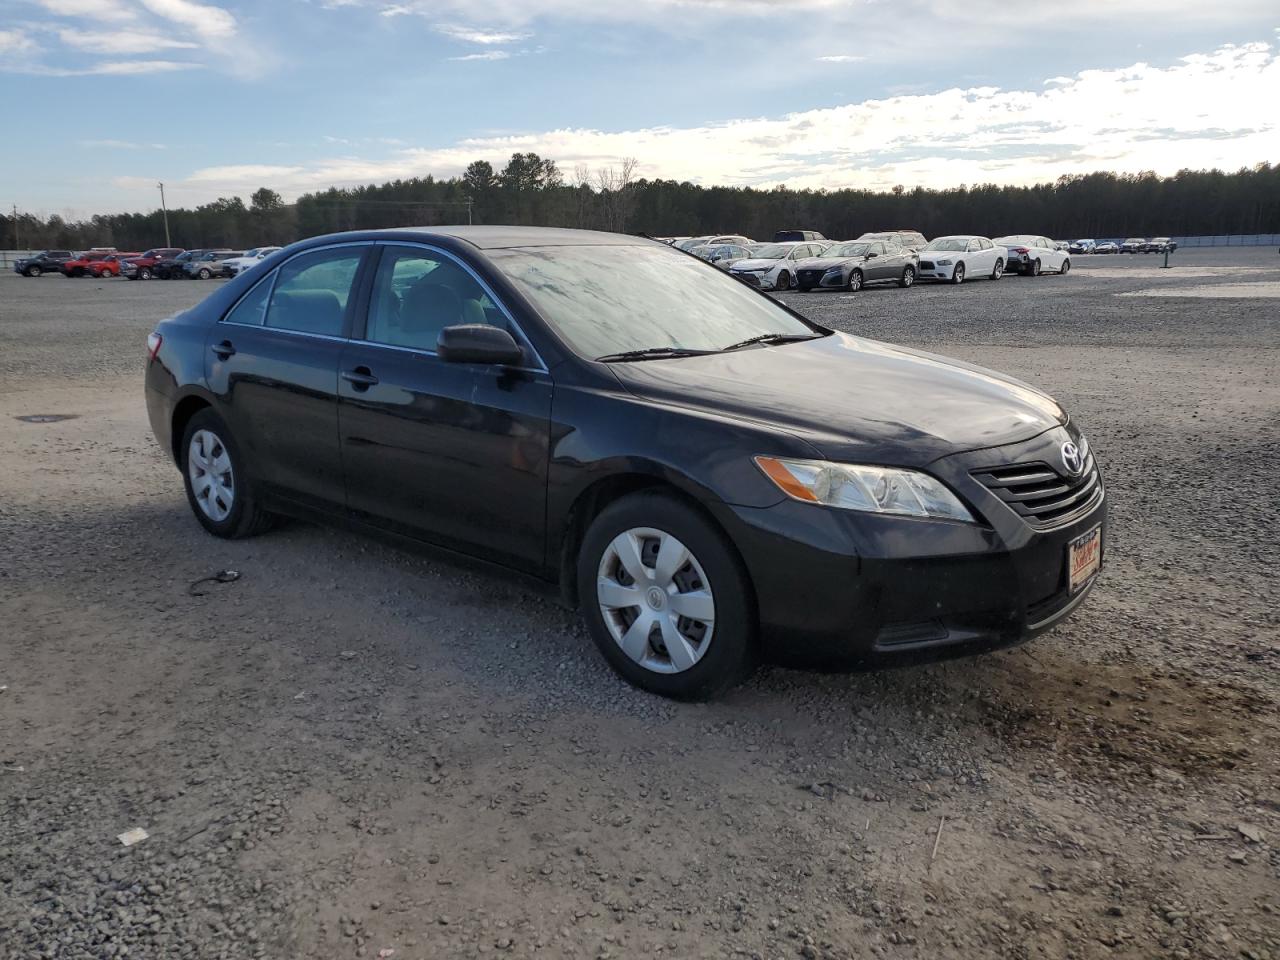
(312,291)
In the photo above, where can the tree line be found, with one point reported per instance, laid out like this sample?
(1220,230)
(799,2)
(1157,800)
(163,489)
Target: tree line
(532,190)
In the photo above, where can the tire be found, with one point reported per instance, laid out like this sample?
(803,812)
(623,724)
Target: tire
(32,271)
(855,281)
(105,275)
(144,273)
(908,276)
(1034,269)
(957,275)
(243,517)
(998,270)
(715,654)
(205,273)
(1066,267)
(784,281)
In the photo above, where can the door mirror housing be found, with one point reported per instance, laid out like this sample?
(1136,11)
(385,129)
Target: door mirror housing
(871,255)
(478,343)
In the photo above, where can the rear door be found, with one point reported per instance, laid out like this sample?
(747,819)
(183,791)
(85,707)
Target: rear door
(273,360)
(454,453)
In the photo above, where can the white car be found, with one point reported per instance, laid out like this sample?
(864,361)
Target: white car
(1032,255)
(957,258)
(689,243)
(237,265)
(722,255)
(772,266)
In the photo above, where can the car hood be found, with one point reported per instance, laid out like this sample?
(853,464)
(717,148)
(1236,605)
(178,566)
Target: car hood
(755,264)
(853,399)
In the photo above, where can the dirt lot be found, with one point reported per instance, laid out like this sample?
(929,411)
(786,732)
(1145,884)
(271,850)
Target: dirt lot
(354,749)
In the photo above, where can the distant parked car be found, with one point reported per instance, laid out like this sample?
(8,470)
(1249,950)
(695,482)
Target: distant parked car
(46,261)
(1159,245)
(1062,245)
(955,259)
(1133,245)
(1082,246)
(850,266)
(78,265)
(112,265)
(209,264)
(797,236)
(143,266)
(907,239)
(723,255)
(1031,255)
(236,264)
(712,240)
(170,268)
(1107,246)
(772,266)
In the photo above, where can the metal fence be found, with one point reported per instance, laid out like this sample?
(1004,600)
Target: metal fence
(1232,240)
(8,256)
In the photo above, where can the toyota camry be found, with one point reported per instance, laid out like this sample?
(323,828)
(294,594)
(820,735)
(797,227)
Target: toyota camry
(708,476)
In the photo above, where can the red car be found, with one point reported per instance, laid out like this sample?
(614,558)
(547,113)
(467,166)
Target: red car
(109,266)
(78,265)
(144,267)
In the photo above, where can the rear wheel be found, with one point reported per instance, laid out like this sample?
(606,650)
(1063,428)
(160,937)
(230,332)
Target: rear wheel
(33,271)
(908,276)
(144,273)
(1033,268)
(666,598)
(216,480)
(957,275)
(998,270)
(855,281)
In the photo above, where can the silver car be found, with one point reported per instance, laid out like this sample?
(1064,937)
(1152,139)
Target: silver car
(723,255)
(852,265)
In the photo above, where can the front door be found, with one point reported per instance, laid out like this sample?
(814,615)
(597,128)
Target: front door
(454,453)
(274,362)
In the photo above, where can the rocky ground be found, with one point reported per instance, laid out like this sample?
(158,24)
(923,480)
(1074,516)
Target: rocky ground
(353,749)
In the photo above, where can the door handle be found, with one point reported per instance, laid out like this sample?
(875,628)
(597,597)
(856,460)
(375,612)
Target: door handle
(361,378)
(223,350)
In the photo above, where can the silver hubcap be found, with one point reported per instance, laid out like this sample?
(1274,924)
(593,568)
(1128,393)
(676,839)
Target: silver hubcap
(212,482)
(855,282)
(999,270)
(656,600)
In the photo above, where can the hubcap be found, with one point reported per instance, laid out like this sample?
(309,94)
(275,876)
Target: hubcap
(855,282)
(212,480)
(656,600)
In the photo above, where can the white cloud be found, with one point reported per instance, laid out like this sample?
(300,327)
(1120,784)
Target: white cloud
(840,58)
(487,55)
(472,35)
(120,145)
(1141,117)
(92,11)
(206,20)
(16,43)
(122,41)
(106,68)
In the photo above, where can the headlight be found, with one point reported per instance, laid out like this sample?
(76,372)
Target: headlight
(871,489)
(833,272)
(943,263)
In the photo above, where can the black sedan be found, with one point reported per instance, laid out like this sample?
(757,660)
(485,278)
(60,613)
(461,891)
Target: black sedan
(851,266)
(706,474)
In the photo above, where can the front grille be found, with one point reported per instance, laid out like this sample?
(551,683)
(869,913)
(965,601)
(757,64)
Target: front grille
(809,276)
(1042,496)
(926,264)
(750,278)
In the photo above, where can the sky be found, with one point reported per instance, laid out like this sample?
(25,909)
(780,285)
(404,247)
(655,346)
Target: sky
(104,98)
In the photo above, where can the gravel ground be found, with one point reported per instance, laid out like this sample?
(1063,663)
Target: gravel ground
(355,749)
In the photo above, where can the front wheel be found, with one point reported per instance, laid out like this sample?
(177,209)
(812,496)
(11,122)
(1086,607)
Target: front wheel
(855,281)
(205,273)
(957,275)
(998,270)
(144,273)
(908,276)
(33,271)
(216,480)
(784,281)
(1066,266)
(666,598)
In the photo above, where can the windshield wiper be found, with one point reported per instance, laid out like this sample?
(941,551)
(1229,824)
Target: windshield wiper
(652,353)
(772,338)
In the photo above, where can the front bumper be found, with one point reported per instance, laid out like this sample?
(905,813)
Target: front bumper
(848,589)
(761,280)
(932,270)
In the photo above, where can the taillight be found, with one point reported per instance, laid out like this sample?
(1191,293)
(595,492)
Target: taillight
(1020,250)
(153,345)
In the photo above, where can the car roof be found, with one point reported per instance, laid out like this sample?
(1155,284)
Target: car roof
(499,237)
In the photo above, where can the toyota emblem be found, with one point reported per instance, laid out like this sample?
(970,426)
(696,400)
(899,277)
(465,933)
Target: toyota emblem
(1072,459)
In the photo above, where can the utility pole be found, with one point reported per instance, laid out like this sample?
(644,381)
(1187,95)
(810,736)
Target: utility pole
(15,226)
(468,211)
(164,210)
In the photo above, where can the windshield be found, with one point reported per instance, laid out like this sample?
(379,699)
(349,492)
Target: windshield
(846,250)
(612,299)
(692,242)
(771,251)
(949,243)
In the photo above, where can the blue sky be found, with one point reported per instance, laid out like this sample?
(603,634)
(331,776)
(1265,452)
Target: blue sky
(105,97)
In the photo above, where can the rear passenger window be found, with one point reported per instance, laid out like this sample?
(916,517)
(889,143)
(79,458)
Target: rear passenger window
(252,307)
(417,293)
(312,290)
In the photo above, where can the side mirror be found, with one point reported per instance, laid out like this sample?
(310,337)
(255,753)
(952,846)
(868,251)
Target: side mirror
(478,343)
(872,254)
